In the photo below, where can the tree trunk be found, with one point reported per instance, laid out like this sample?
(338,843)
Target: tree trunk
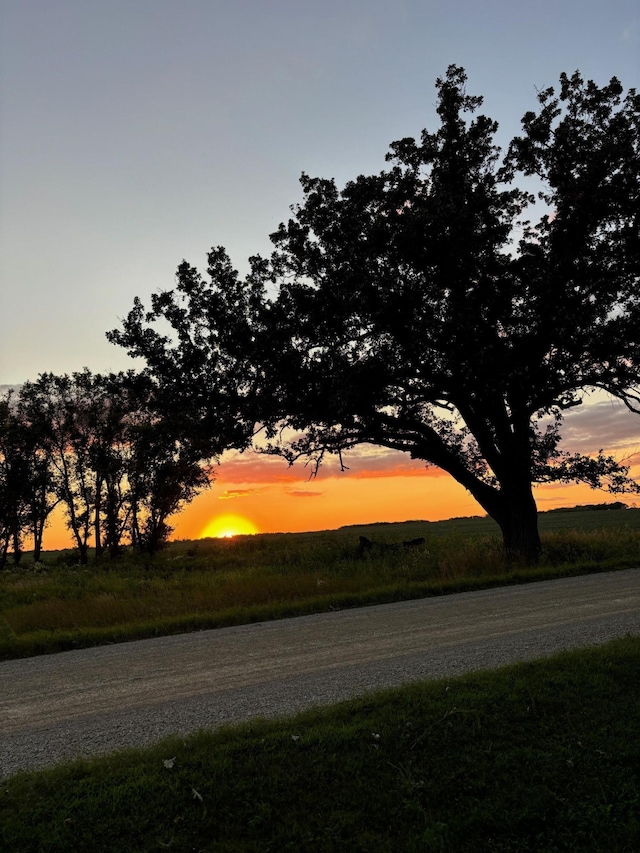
(83,552)
(17,547)
(38,530)
(96,518)
(518,520)
(511,506)
(134,526)
(75,528)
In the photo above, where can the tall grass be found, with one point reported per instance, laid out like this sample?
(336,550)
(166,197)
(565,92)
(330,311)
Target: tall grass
(57,604)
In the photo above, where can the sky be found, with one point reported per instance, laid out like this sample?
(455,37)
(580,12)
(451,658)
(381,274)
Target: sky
(138,133)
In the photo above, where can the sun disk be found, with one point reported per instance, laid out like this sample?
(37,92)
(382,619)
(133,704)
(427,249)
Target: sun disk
(227,526)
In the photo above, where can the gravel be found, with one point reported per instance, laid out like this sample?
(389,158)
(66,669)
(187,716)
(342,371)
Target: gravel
(94,701)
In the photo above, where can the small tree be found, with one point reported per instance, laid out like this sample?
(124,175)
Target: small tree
(108,406)
(59,404)
(27,473)
(164,469)
(42,484)
(166,480)
(15,481)
(422,310)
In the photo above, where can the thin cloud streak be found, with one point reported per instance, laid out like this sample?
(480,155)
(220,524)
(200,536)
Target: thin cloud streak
(363,463)
(231,494)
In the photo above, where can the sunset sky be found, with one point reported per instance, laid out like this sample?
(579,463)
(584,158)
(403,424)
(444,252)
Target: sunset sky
(138,133)
(264,495)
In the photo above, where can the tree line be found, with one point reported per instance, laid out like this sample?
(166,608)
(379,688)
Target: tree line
(100,446)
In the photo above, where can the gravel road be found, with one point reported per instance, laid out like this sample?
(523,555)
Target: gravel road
(96,700)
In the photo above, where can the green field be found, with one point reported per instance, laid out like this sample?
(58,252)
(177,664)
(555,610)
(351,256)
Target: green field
(543,756)
(57,604)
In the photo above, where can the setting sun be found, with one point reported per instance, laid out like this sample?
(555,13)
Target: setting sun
(226,526)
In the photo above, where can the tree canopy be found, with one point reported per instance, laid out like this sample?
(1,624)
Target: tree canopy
(453,306)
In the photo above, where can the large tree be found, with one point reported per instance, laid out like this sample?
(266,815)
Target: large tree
(453,306)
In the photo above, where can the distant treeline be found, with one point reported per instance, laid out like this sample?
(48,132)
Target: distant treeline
(587,507)
(579,508)
(101,447)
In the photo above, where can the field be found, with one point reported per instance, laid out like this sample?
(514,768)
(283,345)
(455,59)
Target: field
(56,605)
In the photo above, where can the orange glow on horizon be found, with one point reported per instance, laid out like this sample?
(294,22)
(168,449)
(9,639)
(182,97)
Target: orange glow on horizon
(228,525)
(336,502)
(266,496)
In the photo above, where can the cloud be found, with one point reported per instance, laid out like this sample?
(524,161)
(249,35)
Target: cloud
(230,494)
(629,32)
(250,467)
(298,493)
(370,463)
(607,424)
(364,462)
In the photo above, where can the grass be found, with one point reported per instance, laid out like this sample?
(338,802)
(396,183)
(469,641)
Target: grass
(57,605)
(542,756)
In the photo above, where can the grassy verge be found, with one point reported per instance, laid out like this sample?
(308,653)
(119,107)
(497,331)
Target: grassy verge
(539,756)
(57,605)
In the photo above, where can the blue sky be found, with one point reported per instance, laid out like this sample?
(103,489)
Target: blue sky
(135,134)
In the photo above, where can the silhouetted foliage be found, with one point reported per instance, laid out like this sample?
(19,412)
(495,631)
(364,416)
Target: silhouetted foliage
(165,470)
(13,482)
(439,307)
(101,446)
(27,488)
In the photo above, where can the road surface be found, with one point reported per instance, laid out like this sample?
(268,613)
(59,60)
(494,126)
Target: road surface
(56,707)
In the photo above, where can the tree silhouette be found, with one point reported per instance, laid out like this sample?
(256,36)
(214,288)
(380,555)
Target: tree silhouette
(439,307)
(99,445)
(28,487)
(164,469)
(15,481)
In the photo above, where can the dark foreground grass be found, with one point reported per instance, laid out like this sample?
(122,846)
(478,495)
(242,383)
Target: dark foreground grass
(57,605)
(542,756)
